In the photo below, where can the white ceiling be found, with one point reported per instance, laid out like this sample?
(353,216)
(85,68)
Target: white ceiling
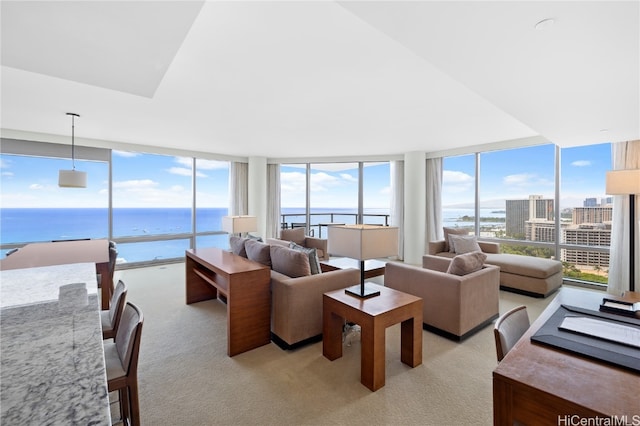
(300,79)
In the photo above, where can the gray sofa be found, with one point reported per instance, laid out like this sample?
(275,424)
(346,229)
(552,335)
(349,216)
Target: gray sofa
(296,295)
(528,275)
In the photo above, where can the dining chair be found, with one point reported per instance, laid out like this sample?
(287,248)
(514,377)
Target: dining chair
(509,328)
(110,318)
(121,358)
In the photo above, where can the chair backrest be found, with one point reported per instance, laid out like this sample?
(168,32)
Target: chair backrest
(509,328)
(116,306)
(128,338)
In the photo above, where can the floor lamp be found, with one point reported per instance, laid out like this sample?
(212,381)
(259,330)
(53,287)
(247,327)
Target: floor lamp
(627,182)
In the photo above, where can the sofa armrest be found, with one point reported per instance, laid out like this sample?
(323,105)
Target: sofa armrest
(320,244)
(436,263)
(435,247)
(296,306)
(489,247)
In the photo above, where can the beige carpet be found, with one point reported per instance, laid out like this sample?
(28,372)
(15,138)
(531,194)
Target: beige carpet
(186,378)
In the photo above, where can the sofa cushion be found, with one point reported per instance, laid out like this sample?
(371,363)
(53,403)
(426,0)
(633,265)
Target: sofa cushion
(314,263)
(257,251)
(525,265)
(237,246)
(453,231)
(289,262)
(467,263)
(464,243)
(296,235)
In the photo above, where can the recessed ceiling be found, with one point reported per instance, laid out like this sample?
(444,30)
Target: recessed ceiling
(308,79)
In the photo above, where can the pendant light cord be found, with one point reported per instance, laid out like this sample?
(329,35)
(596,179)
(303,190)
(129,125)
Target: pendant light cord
(73,145)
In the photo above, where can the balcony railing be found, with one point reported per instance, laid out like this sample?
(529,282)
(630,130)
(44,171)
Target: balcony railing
(324,219)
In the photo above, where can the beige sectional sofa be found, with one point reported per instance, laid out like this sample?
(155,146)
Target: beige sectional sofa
(528,275)
(453,306)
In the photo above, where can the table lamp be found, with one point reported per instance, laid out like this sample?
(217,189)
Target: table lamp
(626,182)
(363,242)
(239,224)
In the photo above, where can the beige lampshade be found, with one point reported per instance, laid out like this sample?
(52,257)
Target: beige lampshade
(363,242)
(623,182)
(72,179)
(239,224)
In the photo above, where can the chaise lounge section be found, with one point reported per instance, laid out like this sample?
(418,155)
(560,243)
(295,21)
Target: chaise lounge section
(532,276)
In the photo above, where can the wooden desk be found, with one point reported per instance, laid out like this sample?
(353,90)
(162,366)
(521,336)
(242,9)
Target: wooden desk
(53,368)
(537,384)
(373,315)
(245,285)
(63,253)
(372,267)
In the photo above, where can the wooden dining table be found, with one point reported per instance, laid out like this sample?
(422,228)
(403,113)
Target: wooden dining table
(63,253)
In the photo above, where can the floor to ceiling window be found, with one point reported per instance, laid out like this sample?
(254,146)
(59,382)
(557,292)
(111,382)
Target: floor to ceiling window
(334,194)
(458,192)
(212,202)
(517,203)
(155,216)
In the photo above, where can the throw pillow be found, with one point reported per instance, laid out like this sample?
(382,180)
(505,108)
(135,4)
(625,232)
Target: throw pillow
(237,246)
(258,252)
(296,235)
(467,263)
(289,262)
(314,263)
(452,231)
(464,243)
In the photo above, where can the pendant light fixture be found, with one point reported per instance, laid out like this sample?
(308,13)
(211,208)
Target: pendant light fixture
(72,178)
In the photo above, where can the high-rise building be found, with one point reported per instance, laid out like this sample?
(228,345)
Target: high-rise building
(519,212)
(581,215)
(590,202)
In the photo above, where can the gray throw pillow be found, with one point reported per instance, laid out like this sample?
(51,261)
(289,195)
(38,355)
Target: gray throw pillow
(237,245)
(258,252)
(464,243)
(314,263)
(296,235)
(467,263)
(289,262)
(452,231)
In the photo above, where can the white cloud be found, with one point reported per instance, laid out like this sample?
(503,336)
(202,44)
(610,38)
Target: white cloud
(211,164)
(135,184)
(36,186)
(581,163)
(8,174)
(4,164)
(181,171)
(349,178)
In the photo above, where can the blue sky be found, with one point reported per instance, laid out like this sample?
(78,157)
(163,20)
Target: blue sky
(146,180)
(516,174)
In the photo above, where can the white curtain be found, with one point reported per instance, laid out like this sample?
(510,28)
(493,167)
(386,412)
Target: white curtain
(273,201)
(238,189)
(624,155)
(434,201)
(397,202)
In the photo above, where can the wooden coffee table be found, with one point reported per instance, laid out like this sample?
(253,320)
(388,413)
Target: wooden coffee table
(373,315)
(372,267)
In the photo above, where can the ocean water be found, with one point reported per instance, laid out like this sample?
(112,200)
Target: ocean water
(23,225)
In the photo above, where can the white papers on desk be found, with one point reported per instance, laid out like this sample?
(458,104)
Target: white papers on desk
(606,330)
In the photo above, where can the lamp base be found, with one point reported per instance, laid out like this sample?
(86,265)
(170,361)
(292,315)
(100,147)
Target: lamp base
(363,292)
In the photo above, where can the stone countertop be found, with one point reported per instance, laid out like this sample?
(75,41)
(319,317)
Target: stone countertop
(52,363)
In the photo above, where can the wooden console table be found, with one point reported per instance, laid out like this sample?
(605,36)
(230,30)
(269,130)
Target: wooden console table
(373,315)
(244,283)
(538,384)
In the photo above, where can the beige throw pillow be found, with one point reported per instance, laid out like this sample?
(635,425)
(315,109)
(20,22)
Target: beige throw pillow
(467,263)
(289,262)
(464,243)
(452,231)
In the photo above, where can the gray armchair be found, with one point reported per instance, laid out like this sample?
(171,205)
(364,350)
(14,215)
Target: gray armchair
(453,306)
